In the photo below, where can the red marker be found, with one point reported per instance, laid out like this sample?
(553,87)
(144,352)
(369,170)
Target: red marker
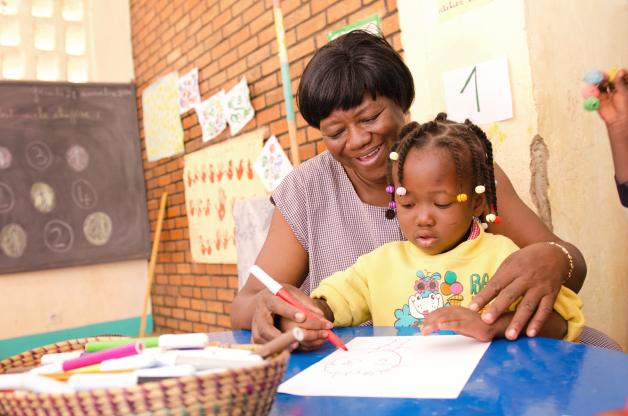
(278,290)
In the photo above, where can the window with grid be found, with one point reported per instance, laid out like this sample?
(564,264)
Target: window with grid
(44,40)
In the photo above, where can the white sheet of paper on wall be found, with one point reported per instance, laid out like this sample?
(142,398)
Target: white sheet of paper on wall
(238,107)
(211,116)
(272,165)
(480,92)
(189,95)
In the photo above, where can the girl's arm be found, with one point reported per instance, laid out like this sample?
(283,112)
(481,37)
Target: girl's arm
(534,272)
(283,257)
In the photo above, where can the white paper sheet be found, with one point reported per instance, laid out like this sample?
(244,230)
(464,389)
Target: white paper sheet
(211,116)
(237,105)
(272,165)
(433,367)
(486,98)
(189,95)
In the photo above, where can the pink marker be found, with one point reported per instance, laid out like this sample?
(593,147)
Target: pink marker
(100,356)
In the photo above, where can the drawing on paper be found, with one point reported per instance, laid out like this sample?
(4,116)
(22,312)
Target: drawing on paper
(238,107)
(389,367)
(272,165)
(189,95)
(368,362)
(211,116)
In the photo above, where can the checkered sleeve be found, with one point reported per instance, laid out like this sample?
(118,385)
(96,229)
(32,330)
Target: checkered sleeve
(292,200)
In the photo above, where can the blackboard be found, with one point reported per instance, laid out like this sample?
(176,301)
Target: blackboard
(71,179)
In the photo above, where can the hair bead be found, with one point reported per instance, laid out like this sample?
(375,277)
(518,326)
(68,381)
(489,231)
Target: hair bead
(390,189)
(491,218)
(394,156)
(497,220)
(392,205)
(401,191)
(484,225)
(390,214)
(480,189)
(461,197)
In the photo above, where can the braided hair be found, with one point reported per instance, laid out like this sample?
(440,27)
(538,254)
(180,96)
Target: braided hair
(442,133)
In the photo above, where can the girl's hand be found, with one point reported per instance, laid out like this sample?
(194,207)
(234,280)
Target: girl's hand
(313,338)
(534,272)
(268,305)
(460,319)
(614,103)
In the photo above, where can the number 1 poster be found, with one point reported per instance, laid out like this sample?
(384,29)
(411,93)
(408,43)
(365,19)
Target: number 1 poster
(215,177)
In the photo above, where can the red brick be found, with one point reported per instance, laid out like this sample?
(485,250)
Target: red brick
(185,326)
(178,313)
(342,9)
(231,269)
(208,318)
(320,147)
(307,151)
(298,16)
(378,8)
(224,321)
(262,22)
(214,307)
(268,115)
(391,5)
(200,328)
(390,24)
(253,12)
(320,5)
(312,26)
(302,49)
(198,304)
(209,294)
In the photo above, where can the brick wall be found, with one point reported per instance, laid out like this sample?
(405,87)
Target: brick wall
(225,39)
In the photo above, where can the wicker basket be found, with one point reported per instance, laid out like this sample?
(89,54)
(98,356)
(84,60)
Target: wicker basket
(242,391)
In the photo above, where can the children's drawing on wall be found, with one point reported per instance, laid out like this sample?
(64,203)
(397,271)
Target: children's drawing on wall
(272,165)
(163,131)
(214,178)
(189,95)
(238,107)
(391,366)
(211,116)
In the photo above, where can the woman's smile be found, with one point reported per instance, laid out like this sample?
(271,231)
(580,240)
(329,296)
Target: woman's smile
(370,158)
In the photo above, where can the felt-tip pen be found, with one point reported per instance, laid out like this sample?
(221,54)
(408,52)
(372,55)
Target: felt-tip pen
(278,290)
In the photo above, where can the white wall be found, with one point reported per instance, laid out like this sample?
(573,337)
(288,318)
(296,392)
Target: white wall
(549,46)
(90,294)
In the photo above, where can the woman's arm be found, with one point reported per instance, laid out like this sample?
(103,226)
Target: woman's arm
(534,272)
(283,257)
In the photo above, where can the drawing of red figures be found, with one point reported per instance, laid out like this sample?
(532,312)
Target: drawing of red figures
(217,240)
(220,172)
(249,171)
(191,208)
(240,170)
(203,173)
(206,248)
(211,173)
(234,236)
(189,179)
(368,361)
(225,239)
(195,175)
(232,204)
(229,171)
(222,199)
(199,207)
(206,211)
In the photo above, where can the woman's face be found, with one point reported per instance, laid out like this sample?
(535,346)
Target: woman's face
(360,138)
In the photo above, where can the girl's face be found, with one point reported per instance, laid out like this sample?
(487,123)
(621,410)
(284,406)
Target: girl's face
(430,216)
(360,138)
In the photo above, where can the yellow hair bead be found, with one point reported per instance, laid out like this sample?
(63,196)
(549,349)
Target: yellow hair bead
(480,189)
(490,218)
(462,197)
(394,156)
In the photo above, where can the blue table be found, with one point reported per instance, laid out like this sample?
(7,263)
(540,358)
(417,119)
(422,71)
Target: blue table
(536,376)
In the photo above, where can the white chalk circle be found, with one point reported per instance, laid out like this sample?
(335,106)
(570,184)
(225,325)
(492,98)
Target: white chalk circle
(38,155)
(84,194)
(13,240)
(5,158)
(7,199)
(58,236)
(43,197)
(77,158)
(97,228)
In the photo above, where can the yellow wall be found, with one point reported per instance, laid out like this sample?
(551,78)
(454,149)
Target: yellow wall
(549,46)
(90,294)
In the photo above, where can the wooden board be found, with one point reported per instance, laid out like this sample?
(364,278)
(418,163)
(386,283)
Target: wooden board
(71,180)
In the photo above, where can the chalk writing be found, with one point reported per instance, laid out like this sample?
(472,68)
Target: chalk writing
(6,198)
(13,240)
(38,155)
(58,236)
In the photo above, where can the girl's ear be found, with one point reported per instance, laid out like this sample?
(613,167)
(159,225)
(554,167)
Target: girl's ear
(479,204)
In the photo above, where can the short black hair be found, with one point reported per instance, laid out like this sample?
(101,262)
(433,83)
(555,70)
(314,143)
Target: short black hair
(341,71)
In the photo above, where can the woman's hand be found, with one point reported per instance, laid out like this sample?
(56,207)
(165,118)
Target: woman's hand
(267,306)
(460,319)
(614,111)
(534,272)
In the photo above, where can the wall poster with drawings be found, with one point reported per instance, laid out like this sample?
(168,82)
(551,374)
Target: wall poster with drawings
(214,178)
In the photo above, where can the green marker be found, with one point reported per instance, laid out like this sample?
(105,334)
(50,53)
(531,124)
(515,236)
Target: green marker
(95,346)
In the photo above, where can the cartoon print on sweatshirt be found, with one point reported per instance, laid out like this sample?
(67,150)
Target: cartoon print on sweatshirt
(426,299)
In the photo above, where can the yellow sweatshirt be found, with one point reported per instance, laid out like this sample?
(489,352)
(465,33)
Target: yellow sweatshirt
(397,284)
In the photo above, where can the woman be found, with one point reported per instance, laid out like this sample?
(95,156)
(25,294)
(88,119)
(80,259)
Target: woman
(331,209)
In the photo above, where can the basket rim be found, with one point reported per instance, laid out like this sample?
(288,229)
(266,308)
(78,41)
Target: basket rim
(163,384)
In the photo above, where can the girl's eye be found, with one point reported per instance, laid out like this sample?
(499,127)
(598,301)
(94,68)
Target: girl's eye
(443,206)
(406,206)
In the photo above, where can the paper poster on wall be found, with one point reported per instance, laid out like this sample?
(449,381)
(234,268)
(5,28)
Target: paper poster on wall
(388,367)
(370,24)
(450,8)
(480,92)
(214,178)
(272,165)
(189,96)
(238,107)
(211,116)
(163,131)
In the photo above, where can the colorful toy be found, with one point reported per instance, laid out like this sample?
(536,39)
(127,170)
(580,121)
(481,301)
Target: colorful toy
(591,91)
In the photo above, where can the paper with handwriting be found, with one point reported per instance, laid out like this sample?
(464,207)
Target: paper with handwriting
(189,95)
(238,107)
(211,116)
(417,367)
(272,165)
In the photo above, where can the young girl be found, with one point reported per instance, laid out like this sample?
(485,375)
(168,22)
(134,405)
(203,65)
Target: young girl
(441,180)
